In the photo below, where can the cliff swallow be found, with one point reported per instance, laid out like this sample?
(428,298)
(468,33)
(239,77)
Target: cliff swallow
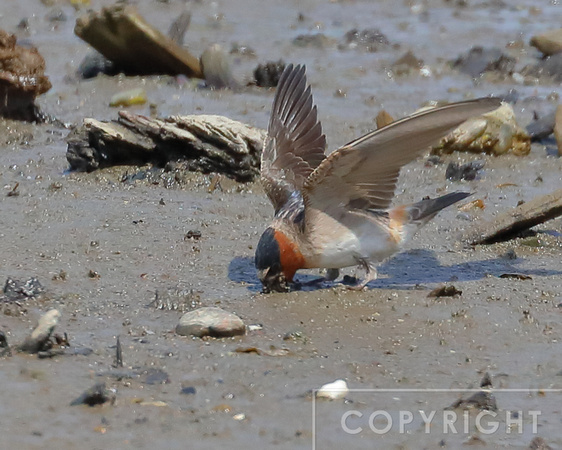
(334,211)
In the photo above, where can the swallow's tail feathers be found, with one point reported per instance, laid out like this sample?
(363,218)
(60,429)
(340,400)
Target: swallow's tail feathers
(424,210)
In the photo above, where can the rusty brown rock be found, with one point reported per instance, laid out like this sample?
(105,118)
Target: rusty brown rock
(22,79)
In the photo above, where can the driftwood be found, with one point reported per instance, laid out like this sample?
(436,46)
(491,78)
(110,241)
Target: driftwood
(208,143)
(125,38)
(509,224)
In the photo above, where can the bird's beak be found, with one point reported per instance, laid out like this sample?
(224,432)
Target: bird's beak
(273,281)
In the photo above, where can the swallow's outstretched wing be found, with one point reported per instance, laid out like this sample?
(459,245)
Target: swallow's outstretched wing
(363,173)
(295,144)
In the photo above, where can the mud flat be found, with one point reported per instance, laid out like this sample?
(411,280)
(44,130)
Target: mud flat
(125,251)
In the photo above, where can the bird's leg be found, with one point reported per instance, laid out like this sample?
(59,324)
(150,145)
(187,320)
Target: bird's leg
(370,275)
(332,274)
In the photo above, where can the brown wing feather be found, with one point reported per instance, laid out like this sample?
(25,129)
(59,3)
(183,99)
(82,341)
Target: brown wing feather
(364,172)
(295,144)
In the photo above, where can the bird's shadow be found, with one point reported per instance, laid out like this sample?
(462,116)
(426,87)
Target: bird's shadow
(404,271)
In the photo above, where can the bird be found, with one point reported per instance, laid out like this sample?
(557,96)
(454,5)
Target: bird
(334,211)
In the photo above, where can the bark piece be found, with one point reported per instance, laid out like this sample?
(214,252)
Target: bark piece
(209,143)
(122,35)
(509,224)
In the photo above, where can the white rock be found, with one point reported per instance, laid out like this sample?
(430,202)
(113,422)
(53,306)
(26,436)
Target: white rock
(42,332)
(333,391)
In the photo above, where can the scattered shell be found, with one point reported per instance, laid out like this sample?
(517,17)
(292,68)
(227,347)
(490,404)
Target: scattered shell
(549,43)
(128,98)
(333,391)
(210,321)
(496,132)
(478,203)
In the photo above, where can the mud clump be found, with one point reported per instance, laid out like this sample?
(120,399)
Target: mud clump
(96,395)
(22,79)
(268,74)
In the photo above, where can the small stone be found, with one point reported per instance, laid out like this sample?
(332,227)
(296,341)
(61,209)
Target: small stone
(509,254)
(370,40)
(129,98)
(333,391)
(188,390)
(480,60)
(383,119)
(407,64)
(468,171)
(317,40)
(210,321)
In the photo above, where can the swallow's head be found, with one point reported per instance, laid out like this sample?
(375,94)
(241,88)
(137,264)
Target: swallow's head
(277,260)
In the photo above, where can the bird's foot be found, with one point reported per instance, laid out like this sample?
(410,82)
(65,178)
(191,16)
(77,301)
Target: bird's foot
(370,275)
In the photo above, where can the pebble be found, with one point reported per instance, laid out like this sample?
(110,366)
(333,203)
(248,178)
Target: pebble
(41,334)
(210,321)
(333,391)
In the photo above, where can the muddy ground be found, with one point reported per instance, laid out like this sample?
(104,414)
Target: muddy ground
(132,234)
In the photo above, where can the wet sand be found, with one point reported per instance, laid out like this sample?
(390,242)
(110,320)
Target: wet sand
(391,336)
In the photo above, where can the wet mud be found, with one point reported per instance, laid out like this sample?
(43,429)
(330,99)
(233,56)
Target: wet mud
(103,244)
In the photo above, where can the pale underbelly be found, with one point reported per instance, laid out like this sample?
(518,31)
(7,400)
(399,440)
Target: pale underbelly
(349,249)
